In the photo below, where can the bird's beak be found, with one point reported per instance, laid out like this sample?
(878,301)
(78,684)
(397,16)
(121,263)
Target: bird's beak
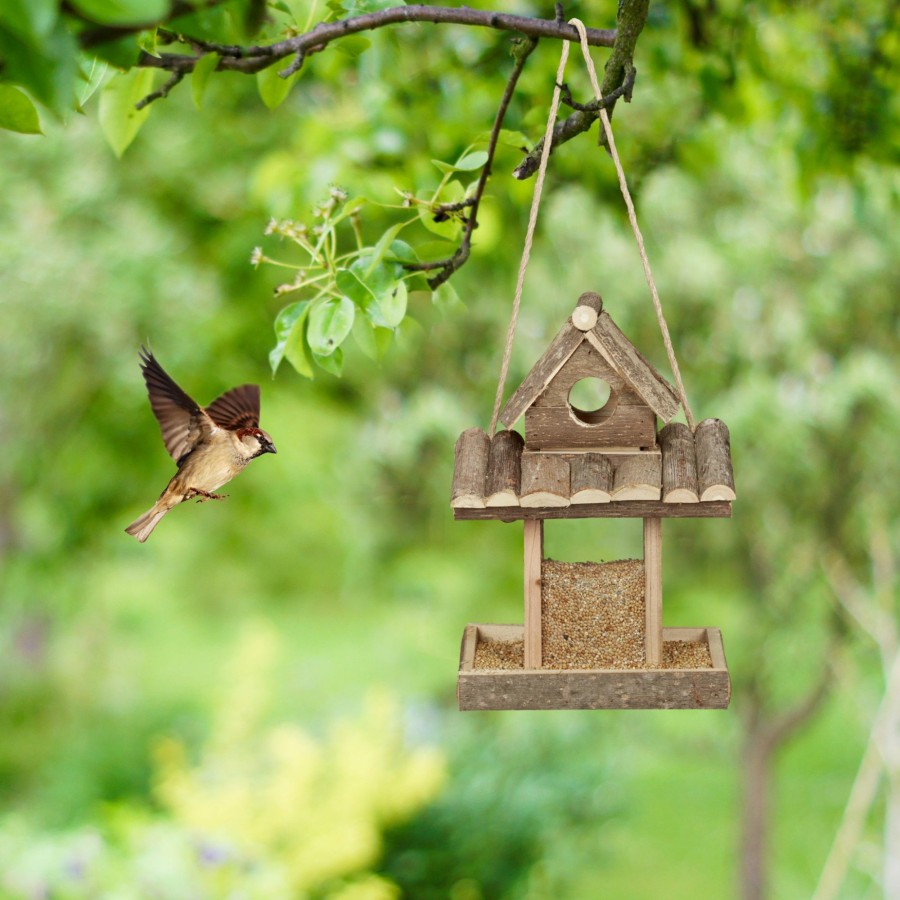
(269,448)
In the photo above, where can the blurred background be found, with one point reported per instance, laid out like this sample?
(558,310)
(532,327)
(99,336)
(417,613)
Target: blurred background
(260,701)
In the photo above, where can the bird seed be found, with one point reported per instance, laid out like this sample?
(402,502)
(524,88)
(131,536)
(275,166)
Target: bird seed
(592,618)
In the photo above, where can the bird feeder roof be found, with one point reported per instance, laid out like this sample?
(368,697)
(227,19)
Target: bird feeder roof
(616,349)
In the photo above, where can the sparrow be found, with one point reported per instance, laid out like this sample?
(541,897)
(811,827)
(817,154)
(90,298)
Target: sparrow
(210,446)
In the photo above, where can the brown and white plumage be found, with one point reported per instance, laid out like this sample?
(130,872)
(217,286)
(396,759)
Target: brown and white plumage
(210,446)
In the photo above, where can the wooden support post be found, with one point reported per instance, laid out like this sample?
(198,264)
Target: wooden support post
(653,592)
(534,557)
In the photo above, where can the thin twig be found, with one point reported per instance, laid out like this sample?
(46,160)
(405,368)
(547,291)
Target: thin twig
(448,266)
(161,92)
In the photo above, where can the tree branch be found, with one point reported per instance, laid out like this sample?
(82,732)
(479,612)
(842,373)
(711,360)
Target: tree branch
(254,59)
(618,76)
(448,266)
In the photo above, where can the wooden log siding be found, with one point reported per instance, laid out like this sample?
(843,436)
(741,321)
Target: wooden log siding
(504,469)
(545,480)
(591,478)
(469,469)
(679,464)
(576,485)
(714,472)
(638,478)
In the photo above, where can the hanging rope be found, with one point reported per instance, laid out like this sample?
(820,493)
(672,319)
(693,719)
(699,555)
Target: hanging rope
(632,218)
(529,234)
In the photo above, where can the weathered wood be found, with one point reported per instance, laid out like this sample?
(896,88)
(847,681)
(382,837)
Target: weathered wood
(534,555)
(470,460)
(632,365)
(549,428)
(653,591)
(621,509)
(591,478)
(679,464)
(468,647)
(504,469)
(715,475)
(638,478)
(545,480)
(595,688)
(585,362)
(584,317)
(560,349)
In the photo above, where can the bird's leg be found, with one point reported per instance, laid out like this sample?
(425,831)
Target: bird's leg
(202,496)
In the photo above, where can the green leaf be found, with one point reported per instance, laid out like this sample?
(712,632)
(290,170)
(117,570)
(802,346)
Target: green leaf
(378,284)
(371,339)
(122,53)
(449,229)
(17,112)
(29,19)
(203,68)
(123,12)
(333,363)
(329,324)
(447,300)
(350,286)
(446,168)
(289,336)
(382,246)
(468,162)
(95,73)
(273,89)
(46,67)
(471,161)
(119,120)
(431,251)
(401,252)
(393,305)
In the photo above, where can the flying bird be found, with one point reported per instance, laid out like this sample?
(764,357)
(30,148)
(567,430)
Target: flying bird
(210,446)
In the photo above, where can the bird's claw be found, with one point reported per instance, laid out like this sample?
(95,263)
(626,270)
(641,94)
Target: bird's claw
(203,496)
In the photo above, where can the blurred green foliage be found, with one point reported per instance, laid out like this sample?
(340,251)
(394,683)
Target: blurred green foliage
(761,147)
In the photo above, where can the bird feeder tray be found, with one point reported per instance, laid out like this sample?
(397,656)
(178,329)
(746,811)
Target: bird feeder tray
(609,462)
(521,688)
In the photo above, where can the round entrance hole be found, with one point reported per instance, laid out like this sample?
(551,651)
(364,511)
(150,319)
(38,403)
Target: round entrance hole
(591,400)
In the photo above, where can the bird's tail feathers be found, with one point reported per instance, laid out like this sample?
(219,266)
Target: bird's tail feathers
(143,525)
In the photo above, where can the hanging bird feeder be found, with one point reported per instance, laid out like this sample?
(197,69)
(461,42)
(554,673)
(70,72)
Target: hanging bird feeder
(593,635)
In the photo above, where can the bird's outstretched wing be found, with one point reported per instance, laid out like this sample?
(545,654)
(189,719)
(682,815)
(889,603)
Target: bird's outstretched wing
(182,422)
(237,408)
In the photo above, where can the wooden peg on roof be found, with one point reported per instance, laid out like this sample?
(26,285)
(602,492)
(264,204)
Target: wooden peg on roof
(584,316)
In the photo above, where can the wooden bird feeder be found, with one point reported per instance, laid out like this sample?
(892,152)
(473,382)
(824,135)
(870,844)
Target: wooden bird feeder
(605,463)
